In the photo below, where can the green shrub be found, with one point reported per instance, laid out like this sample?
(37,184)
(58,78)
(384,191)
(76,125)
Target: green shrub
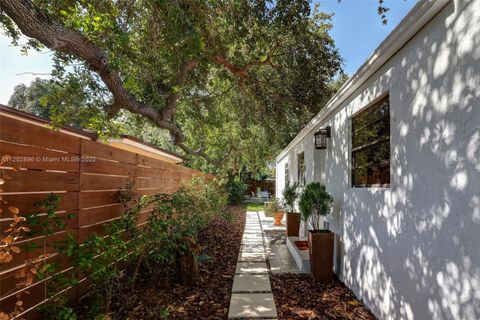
(236,191)
(290,195)
(106,260)
(315,202)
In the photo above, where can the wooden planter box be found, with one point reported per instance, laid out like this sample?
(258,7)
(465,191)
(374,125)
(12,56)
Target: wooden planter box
(320,247)
(293,224)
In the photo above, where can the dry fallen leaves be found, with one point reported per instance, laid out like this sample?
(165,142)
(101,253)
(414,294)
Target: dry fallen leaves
(297,297)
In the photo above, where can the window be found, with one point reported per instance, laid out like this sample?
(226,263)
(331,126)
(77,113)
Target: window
(287,174)
(301,169)
(371,146)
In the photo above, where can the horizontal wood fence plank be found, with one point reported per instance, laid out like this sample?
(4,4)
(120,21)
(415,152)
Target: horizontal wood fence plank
(96,215)
(13,130)
(32,180)
(100,166)
(39,158)
(101,182)
(103,151)
(26,202)
(35,296)
(35,248)
(151,162)
(97,198)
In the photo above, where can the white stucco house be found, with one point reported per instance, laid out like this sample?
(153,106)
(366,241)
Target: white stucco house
(403,164)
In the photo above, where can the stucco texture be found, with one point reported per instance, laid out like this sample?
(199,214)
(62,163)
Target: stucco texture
(412,251)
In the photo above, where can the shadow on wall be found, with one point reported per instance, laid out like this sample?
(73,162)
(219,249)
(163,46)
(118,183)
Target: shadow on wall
(413,251)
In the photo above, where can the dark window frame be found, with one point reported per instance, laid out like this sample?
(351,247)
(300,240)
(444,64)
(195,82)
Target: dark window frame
(374,170)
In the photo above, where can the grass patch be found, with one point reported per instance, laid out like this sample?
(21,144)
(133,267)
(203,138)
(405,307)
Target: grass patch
(255,207)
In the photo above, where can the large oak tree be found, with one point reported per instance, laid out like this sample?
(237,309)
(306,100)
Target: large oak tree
(231,80)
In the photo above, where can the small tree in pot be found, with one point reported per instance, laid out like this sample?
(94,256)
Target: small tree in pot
(315,203)
(290,195)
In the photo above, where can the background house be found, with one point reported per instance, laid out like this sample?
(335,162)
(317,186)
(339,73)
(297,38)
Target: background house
(403,164)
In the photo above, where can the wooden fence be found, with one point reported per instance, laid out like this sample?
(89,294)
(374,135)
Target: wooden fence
(86,175)
(264,185)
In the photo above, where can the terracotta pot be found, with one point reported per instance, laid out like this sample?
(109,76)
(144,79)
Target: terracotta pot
(278,216)
(293,224)
(320,247)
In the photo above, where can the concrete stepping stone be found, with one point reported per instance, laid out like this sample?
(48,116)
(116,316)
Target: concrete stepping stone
(257,256)
(251,268)
(245,283)
(249,247)
(252,243)
(255,305)
(253,228)
(254,236)
(253,231)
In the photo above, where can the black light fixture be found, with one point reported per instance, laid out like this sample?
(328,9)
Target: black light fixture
(321,137)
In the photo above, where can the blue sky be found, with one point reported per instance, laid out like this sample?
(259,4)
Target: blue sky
(357,31)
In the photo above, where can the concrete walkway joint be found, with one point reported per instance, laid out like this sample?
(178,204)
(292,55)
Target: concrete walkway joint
(252,296)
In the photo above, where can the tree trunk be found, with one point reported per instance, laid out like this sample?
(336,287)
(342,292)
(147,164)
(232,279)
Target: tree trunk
(187,263)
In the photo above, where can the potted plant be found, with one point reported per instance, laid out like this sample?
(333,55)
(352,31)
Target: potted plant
(273,208)
(290,195)
(315,203)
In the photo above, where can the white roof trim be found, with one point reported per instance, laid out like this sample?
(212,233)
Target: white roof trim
(415,20)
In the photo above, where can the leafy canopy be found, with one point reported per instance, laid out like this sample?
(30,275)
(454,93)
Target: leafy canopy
(233,80)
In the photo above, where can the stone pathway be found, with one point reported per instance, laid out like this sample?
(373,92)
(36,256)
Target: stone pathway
(252,296)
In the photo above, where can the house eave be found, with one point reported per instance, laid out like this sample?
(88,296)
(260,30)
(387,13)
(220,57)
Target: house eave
(410,25)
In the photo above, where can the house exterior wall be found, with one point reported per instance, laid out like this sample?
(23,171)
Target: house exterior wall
(412,251)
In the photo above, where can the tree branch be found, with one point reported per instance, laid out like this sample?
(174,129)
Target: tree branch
(175,95)
(242,72)
(35,24)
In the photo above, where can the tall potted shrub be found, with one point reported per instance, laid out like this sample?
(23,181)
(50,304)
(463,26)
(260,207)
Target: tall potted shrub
(290,195)
(315,203)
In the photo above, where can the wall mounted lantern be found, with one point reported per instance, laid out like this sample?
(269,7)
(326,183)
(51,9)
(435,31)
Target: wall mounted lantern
(321,137)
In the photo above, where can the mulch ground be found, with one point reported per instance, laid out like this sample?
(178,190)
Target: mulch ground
(210,298)
(297,297)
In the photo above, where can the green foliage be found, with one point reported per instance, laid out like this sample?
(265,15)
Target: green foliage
(181,215)
(272,206)
(290,195)
(236,191)
(315,202)
(227,214)
(67,102)
(45,222)
(60,312)
(123,249)
(281,66)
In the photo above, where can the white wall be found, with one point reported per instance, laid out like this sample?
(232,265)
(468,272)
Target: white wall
(412,251)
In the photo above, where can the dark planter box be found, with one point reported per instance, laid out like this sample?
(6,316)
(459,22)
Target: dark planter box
(293,224)
(320,247)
